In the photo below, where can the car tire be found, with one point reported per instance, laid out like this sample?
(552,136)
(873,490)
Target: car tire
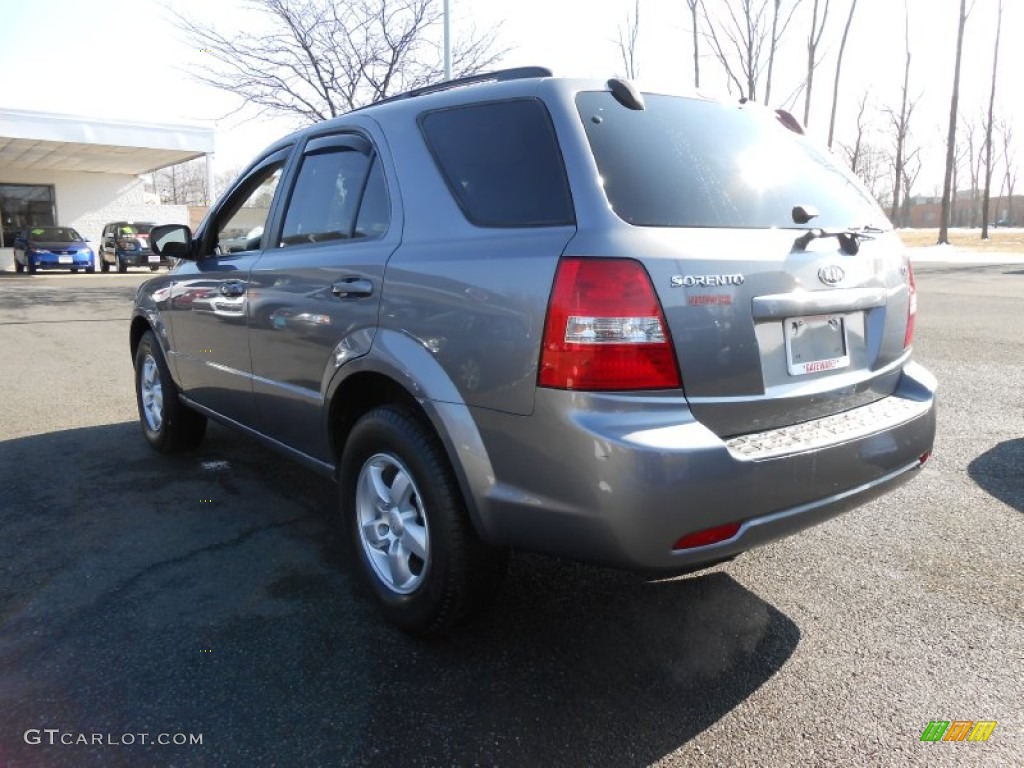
(104,266)
(416,546)
(168,425)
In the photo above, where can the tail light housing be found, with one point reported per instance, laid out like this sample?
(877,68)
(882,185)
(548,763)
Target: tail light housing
(908,337)
(605,329)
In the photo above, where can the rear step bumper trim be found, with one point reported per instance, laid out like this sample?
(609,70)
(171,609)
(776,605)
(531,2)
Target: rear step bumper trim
(878,416)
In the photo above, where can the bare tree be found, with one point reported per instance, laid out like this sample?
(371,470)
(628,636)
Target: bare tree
(870,161)
(901,121)
(960,157)
(988,128)
(813,41)
(951,138)
(839,66)
(742,40)
(182,184)
(627,43)
(973,151)
(853,152)
(911,170)
(774,39)
(692,5)
(1009,165)
(317,59)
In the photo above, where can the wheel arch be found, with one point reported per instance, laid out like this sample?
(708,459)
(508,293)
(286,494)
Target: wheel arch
(400,371)
(143,321)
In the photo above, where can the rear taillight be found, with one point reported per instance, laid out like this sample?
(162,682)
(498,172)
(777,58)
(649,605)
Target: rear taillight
(605,329)
(908,338)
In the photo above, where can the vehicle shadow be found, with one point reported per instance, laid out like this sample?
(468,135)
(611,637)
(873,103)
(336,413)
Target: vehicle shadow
(210,593)
(998,472)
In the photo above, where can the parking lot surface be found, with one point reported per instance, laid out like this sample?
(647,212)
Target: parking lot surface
(211,595)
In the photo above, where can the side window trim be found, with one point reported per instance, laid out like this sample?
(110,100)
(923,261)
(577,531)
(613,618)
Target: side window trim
(353,141)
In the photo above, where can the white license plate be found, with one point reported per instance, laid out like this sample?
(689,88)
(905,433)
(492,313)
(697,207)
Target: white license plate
(816,343)
(65,260)
(154,259)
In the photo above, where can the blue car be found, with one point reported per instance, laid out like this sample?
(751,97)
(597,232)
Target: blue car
(38,248)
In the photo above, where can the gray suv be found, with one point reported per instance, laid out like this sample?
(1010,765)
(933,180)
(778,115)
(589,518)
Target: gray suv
(519,311)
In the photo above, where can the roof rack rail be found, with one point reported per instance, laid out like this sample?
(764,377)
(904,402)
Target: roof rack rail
(498,76)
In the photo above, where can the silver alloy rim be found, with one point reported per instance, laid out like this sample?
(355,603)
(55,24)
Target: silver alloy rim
(152,394)
(392,525)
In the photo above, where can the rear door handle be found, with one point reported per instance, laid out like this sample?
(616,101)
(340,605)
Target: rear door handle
(352,287)
(232,288)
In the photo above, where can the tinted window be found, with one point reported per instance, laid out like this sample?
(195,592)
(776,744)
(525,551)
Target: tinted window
(502,163)
(375,209)
(326,197)
(692,163)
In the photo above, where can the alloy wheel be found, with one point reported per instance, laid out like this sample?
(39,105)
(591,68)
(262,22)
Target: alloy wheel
(392,525)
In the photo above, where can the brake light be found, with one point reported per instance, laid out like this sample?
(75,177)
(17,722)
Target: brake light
(605,329)
(908,338)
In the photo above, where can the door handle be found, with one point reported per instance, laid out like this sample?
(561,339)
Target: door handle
(352,287)
(232,288)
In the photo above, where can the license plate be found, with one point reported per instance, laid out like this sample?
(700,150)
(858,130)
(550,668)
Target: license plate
(815,344)
(65,260)
(154,259)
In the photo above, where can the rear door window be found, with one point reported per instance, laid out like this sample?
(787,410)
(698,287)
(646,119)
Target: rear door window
(501,162)
(686,162)
(325,202)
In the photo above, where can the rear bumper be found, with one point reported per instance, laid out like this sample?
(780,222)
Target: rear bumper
(619,479)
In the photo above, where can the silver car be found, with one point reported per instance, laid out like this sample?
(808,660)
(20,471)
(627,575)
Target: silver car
(517,311)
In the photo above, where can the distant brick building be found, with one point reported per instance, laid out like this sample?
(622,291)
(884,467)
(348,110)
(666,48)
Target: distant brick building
(927,211)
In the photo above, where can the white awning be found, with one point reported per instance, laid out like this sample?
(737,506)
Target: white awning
(42,141)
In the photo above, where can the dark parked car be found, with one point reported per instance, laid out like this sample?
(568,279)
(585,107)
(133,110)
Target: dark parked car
(47,247)
(126,244)
(519,311)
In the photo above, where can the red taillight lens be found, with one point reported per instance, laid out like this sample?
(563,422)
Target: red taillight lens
(908,338)
(707,536)
(605,329)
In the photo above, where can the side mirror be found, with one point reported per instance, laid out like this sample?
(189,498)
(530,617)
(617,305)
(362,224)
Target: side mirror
(172,241)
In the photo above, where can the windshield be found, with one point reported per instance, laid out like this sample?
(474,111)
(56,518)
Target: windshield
(684,162)
(54,235)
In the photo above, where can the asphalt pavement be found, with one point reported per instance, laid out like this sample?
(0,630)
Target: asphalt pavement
(208,600)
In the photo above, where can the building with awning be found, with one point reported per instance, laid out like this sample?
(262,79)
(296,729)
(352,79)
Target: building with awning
(84,172)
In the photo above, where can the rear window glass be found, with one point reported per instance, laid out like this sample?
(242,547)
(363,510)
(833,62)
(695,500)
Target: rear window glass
(686,162)
(502,163)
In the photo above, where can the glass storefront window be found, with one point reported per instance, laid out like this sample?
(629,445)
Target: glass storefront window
(24,205)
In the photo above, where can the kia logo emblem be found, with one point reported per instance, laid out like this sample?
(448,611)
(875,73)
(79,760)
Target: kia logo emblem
(832,275)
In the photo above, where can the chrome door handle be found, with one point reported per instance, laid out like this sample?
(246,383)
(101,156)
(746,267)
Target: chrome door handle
(352,287)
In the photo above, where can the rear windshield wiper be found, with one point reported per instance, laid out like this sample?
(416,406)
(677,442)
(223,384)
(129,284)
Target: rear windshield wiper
(849,238)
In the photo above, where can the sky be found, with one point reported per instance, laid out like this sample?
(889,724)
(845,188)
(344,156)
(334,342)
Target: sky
(126,59)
